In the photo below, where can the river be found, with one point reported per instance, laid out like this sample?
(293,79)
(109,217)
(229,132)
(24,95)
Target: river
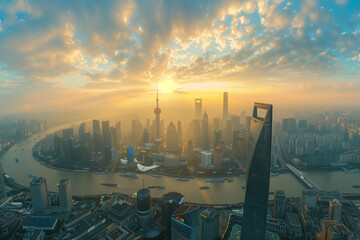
(222,192)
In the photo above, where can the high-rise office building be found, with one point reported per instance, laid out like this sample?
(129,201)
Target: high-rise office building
(68,133)
(65,196)
(106,137)
(335,208)
(179,133)
(130,155)
(107,154)
(258,174)
(279,204)
(170,202)
(189,152)
(171,138)
(143,208)
(236,122)
(118,132)
(288,125)
(217,157)
(185,223)
(84,137)
(302,124)
(247,122)
(97,136)
(198,108)
(135,132)
(195,129)
(217,137)
(82,132)
(210,224)
(39,195)
(216,123)
(331,230)
(205,132)
(206,159)
(2,186)
(146,137)
(225,106)
(228,132)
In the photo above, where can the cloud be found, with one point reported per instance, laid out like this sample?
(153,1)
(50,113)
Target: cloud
(130,44)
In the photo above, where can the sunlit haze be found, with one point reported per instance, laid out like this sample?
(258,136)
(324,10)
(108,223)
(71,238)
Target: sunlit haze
(61,55)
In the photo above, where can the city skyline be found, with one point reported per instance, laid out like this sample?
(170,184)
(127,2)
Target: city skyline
(75,58)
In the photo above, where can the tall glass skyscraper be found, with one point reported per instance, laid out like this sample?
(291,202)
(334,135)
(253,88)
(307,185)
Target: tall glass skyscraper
(258,174)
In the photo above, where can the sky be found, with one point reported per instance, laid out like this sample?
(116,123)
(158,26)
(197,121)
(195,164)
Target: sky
(111,55)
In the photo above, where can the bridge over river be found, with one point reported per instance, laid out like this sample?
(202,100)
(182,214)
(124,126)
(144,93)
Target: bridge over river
(307,181)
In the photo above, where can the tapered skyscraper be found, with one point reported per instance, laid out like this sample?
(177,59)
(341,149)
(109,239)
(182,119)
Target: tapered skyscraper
(198,108)
(205,132)
(157,112)
(258,174)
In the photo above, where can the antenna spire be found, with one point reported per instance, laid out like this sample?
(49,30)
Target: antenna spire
(157,93)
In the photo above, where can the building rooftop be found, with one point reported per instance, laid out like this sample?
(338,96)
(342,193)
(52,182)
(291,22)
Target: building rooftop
(33,235)
(173,197)
(117,232)
(187,214)
(293,219)
(40,223)
(208,213)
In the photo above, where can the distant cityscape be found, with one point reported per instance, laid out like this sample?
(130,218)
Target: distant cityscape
(215,151)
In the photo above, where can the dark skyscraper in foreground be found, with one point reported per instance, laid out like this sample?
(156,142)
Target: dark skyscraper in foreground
(258,175)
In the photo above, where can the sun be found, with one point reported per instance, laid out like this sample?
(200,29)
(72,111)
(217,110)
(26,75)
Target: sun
(167,86)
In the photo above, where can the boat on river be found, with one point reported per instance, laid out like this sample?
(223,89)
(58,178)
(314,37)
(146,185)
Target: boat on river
(130,175)
(183,179)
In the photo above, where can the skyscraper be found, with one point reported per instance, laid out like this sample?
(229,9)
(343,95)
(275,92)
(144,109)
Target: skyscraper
(210,224)
(97,135)
(217,137)
(205,132)
(225,106)
(143,208)
(118,133)
(279,204)
(185,223)
(106,137)
(130,155)
(84,137)
(258,174)
(198,108)
(216,123)
(170,202)
(68,133)
(65,195)
(335,208)
(39,195)
(172,138)
(195,128)
(146,137)
(2,186)
(179,134)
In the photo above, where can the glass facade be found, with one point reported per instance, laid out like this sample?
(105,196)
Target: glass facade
(258,174)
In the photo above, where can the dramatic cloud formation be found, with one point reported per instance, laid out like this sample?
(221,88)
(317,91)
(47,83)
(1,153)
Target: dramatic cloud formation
(125,47)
